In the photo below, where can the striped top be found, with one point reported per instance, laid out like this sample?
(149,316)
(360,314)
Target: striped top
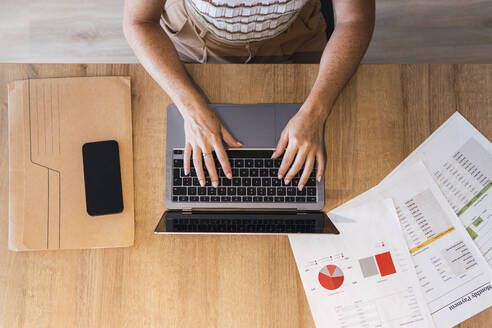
(246,20)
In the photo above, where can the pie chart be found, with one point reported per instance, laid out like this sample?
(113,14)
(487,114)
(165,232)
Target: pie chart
(330,277)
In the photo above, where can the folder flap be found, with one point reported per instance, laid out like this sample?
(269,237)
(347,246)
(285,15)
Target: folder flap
(49,122)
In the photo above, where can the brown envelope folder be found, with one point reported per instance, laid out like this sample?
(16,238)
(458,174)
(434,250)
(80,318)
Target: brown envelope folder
(49,122)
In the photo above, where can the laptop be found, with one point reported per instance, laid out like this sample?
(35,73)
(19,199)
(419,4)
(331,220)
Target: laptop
(254,201)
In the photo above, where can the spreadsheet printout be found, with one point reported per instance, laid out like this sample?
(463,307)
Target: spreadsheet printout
(363,277)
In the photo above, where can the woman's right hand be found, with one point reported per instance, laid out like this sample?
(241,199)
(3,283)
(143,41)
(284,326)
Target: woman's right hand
(204,132)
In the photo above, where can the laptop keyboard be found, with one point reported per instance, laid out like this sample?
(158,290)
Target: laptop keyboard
(254,180)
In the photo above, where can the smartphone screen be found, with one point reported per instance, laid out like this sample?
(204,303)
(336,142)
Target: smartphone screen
(102,177)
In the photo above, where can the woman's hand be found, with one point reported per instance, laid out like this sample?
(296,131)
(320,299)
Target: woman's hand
(204,133)
(302,141)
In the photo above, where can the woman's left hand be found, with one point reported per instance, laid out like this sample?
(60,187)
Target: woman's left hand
(302,142)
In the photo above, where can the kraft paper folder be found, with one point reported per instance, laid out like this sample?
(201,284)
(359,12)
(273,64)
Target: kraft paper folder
(49,121)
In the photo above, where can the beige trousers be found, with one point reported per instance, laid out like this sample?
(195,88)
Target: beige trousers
(302,42)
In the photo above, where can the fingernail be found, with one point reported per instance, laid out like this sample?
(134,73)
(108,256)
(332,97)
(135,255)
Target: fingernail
(240,144)
(300,187)
(229,176)
(201,182)
(215,184)
(280,176)
(319,179)
(273,154)
(287,181)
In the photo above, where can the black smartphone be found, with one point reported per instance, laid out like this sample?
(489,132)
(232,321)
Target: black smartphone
(102,177)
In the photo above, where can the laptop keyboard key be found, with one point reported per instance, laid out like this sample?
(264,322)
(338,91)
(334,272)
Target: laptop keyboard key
(204,198)
(271,191)
(236,199)
(256,182)
(177,191)
(231,191)
(178,163)
(186,181)
(279,199)
(248,163)
(215,199)
(264,173)
(183,198)
(247,199)
(311,191)
(311,182)
(291,191)
(191,191)
(238,163)
(222,191)
(211,191)
(241,191)
(246,182)
(266,182)
(194,198)
(261,191)
(177,182)
(300,199)
(311,199)
(253,172)
(276,182)
(202,191)
(236,181)
(282,191)
(257,199)
(251,191)
(258,163)
(244,172)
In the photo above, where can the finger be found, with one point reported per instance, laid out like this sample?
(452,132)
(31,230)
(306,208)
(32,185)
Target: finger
(197,163)
(320,165)
(296,166)
(289,156)
(187,158)
(210,164)
(308,167)
(223,159)
(229,139)
(281,144)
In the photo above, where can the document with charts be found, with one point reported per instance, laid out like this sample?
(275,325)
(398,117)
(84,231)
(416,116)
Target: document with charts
(363,277)
(454,276)
(459,158)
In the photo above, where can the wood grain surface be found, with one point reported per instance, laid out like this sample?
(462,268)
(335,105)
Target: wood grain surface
(226,281)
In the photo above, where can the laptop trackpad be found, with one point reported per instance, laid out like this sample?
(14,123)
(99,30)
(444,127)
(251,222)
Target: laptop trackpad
(254,128)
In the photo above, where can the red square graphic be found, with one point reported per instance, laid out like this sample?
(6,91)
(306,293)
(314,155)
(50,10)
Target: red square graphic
(385,264)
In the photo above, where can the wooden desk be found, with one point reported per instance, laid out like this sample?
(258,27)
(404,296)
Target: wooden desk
(226,281)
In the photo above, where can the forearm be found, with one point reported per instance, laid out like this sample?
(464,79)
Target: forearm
(159,57)
(340,60)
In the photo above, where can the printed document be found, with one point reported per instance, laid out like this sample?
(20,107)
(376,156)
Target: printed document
(459,158)
(363,277)
(454,276)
